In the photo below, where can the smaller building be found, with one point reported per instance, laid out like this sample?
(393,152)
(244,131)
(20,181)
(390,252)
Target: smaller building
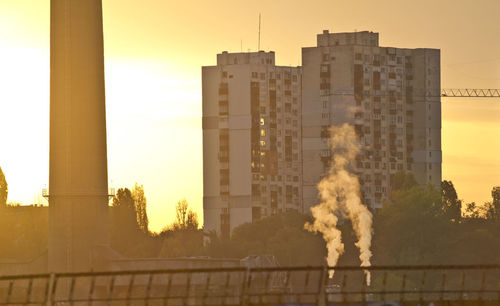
(251,139)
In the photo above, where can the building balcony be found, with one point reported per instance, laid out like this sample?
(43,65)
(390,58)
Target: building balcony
(324,86)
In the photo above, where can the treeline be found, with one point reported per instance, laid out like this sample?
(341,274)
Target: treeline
(423,225)
(417,225)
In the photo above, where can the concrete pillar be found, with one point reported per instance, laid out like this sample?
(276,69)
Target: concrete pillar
(78,180)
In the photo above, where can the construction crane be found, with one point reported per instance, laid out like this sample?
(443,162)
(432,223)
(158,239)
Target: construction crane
(471,93)
(445,93)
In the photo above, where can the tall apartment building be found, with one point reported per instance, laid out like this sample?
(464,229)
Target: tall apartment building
(389,95)
(252,163)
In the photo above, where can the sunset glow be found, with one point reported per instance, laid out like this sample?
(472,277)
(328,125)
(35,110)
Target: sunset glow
(153,56)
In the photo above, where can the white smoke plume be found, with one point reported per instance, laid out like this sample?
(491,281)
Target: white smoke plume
(340,194)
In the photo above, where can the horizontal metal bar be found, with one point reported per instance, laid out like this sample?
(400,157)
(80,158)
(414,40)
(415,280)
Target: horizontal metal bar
(252,270)
(415,292)
(24,276)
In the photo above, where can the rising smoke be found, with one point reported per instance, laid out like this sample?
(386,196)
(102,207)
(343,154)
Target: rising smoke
(340,195)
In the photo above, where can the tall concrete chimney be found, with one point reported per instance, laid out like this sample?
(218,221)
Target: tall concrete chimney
(78,178)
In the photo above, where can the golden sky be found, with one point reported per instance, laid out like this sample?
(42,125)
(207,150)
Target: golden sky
(154,50)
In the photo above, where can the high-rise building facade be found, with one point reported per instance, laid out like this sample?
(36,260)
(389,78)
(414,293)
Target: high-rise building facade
(252,163)
(392,98)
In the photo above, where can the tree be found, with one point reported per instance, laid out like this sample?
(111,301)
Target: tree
(472,211)
(182,243)
(451,205)
(402,181)
(495,194)
(185,218)
(140,207)
(282,235)
(125,233)
(4,190)
(183,238)
(489,211)
(124,199)
(410,226)
(181,212)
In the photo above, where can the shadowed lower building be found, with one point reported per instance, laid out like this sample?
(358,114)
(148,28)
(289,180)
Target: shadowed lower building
(251,140)
(392,98)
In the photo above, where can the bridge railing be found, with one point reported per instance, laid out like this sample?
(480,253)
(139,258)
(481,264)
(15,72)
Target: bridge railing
(263,286)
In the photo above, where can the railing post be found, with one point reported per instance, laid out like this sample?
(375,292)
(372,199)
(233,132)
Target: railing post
(322,287)
(246,275)
(51,290)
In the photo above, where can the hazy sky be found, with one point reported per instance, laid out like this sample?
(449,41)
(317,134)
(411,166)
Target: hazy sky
(154,50)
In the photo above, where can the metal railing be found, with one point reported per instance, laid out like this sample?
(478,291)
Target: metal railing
(263,286)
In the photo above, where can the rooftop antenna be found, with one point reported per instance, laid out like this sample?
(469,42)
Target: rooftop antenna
(259,33)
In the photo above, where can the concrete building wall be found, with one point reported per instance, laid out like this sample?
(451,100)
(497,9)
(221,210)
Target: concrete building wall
(427,119)
(252,148)
(387,95)
(210,123)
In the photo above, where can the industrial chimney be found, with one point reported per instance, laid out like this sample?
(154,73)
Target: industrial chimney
(78,179)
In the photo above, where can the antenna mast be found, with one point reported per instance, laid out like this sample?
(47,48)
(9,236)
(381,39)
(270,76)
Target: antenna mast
(259,33)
